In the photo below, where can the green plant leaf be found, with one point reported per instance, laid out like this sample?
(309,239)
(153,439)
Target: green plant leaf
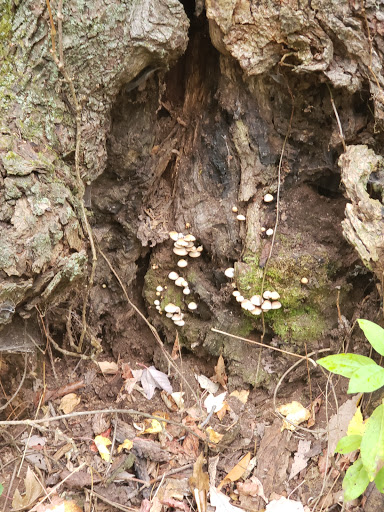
(374,334)
(355,482)
(1,489)
(366,379)
(372,444)
(345,364)
(379,480)
(348,444)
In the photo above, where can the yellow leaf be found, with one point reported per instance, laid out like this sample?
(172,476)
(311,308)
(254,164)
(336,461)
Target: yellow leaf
(294,412)
(214,437)
(241,395)
(237,471)
(199,484)
(101,443)
(69,402)
(152,427)
(126,445)
(357,425)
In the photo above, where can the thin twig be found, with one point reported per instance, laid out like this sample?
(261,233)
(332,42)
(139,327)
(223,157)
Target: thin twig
(35,423)
(337,119)
(267,346)
(112,503)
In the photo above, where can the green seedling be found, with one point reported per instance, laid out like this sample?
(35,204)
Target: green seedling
(367,436)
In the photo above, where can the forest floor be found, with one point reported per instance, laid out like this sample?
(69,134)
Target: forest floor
(251,461)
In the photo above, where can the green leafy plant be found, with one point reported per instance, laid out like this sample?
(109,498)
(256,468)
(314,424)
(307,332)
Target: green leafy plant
(367,436)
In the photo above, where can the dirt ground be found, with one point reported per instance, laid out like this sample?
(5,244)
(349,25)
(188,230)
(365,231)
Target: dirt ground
(155,473)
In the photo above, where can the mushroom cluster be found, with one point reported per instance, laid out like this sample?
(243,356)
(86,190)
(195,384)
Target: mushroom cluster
(257,304)
(184,245)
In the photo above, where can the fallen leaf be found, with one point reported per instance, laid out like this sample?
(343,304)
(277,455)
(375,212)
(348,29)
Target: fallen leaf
(126,371)
(152,379)
(33,490)
(205,383)
(223,411)
(252,487)
(214,437)
(220,375)
(284,505)
(176,348)
(35,442)
(69,402)
(191,446)
(101,444)
(125,445)
(175,401)
(338,423)
(131,381)
(300,460)
(215,402)
(241,395)
(58,504)
(295,413)
(179,400)
(237,471)
(220,501)
(199,484)
(108,367)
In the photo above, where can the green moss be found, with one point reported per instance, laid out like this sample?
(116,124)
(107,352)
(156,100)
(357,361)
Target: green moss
(302,316)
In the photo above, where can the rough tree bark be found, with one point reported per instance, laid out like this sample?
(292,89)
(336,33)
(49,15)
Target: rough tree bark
(181,120)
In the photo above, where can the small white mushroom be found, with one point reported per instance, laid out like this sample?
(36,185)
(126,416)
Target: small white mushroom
(186,291)
(267,294)
(230,272)
(276,304)
(236,293)
(181,243)
(174,235)
(189,238)
(200,248)
(274,296)
(256,300)
(240,218)
(159,289)
(304,280)
(169,315)
(239,298)
(182,263)
(180,251)
(180,323)
(247,305)
(158,294)
(171,308)
(156,302)
(234,209)
(269,232)
(263,229)
(173,276)
(177,317)
(268,198)
(194,254)
(266,305)
(184,284)
(256,311)
(179,281)
(158,308)
(192,306)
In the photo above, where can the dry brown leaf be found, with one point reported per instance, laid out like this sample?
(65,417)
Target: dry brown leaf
(191,446)
(237,471)
(252,487)
(223,411)
(214,437)
(33,490)
(220,375)
(108,367)
(69,402)
(199,484)
(176,348)
(126,372)
(295,413)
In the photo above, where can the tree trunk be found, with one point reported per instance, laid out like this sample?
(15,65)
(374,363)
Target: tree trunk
(181,121)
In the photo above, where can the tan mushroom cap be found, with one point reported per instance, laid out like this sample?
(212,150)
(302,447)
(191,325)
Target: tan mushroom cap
(192,306)
(180,251)
(173,276)
(276,304)
(171,308)
(266,305)
(275,295)
(256,300)
(182,263)
(194,254)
